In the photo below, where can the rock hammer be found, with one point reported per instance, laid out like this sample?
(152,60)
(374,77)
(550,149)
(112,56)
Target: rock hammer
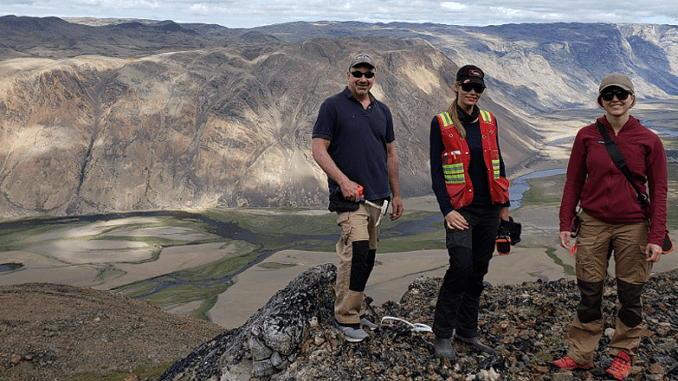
(381,208)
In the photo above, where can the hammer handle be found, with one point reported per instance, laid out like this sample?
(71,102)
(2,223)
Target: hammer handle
(370,203)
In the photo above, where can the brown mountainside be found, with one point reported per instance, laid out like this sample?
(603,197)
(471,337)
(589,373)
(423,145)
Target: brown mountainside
(214,127)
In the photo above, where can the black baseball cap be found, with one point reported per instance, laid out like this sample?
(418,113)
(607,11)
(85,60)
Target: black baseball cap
(470,74)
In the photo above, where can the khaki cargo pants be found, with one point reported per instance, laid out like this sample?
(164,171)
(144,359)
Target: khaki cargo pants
(357,249)
(632,270)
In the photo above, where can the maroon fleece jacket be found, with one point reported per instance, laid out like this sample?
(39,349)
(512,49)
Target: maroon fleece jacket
(602,189)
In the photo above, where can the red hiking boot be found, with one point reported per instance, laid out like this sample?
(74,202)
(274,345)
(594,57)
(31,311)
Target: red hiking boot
(568,364)
(621,366)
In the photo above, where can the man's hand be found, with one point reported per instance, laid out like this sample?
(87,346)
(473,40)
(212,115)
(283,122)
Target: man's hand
(350,190)
(396,208)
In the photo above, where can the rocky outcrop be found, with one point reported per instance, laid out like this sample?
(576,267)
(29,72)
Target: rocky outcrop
(269,341)
(291,337)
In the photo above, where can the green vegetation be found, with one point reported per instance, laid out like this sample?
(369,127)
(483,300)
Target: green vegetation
(528,311)
(542,357)
(151,371)
(567,269)
(15,238)
(270,230)
(206,305)
(554,340)
(278,222)
(108,271)
(544,191)
(202,283)
(275,265)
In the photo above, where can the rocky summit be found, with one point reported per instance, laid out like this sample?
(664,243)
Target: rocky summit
(292,337)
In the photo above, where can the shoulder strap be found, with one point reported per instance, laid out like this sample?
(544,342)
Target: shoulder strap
(619,162)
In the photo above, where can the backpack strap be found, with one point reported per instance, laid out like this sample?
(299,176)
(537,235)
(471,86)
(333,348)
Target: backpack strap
(619,162)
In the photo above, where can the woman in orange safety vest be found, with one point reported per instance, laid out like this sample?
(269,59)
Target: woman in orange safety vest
(469,181)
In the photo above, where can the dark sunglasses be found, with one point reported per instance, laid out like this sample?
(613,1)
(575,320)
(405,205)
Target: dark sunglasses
(358,74)
(621,94)
(467,87)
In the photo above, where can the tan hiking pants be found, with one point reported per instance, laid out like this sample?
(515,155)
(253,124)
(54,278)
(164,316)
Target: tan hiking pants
(356,249)
(632,270)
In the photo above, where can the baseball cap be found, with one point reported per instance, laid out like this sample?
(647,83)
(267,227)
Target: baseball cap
(361,59)
(470,74)
(616,79)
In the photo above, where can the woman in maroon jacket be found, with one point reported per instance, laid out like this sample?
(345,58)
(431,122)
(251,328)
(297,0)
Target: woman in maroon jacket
(612,220)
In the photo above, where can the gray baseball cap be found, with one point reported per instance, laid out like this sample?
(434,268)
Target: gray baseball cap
(361,59)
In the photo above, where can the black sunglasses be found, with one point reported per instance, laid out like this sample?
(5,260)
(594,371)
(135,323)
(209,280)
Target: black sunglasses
(621,94)
(467,87)
(358,74)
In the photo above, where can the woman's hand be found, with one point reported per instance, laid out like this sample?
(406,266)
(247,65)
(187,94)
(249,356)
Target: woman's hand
(653,252)
(454,220)
(565,240)
(504,214)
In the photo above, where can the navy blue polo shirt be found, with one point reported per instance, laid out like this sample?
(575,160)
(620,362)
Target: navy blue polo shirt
(358,139)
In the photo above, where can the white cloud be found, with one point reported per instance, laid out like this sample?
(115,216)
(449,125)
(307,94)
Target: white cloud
(248,13)
(452,6)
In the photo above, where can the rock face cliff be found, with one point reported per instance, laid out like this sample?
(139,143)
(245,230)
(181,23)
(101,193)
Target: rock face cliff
(537,68)
(291,337)
(218,127)
(138,116)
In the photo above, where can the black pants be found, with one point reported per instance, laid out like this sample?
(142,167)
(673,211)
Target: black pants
(470,252)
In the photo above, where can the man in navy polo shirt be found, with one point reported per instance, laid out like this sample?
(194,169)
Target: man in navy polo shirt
(353,143)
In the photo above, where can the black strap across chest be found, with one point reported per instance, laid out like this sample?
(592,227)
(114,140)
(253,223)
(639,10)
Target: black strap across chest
(619,162)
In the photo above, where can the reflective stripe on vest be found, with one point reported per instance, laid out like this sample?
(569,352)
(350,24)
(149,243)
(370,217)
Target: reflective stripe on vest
(495,168)
(495,163)
(486,116)
(454,172)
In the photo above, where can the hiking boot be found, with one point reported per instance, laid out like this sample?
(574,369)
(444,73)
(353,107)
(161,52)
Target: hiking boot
(443,349)
(567,363)
(364,323)
(621,366)
(475,343)
(352,334)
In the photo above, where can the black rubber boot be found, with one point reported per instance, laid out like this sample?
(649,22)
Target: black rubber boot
(443,348)
(476,344)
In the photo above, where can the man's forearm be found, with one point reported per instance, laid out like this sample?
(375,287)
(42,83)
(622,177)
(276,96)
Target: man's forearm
(324,160)
(393,168)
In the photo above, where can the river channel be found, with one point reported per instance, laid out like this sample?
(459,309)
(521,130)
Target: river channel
(232,231)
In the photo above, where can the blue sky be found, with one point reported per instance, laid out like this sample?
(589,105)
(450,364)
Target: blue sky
(250,13)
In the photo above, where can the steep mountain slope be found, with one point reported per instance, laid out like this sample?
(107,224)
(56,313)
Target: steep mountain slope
(173,116)
(202,128)
(54,37)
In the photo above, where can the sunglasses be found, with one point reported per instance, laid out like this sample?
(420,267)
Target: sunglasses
(358,74)
(621,94)
(467,87)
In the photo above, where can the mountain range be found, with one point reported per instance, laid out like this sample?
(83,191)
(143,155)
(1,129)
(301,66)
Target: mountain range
(102,116)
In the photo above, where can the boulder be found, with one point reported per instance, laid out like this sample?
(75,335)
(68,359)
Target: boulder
(271,339)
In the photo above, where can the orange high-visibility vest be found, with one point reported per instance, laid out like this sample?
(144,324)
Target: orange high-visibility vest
(456,159)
